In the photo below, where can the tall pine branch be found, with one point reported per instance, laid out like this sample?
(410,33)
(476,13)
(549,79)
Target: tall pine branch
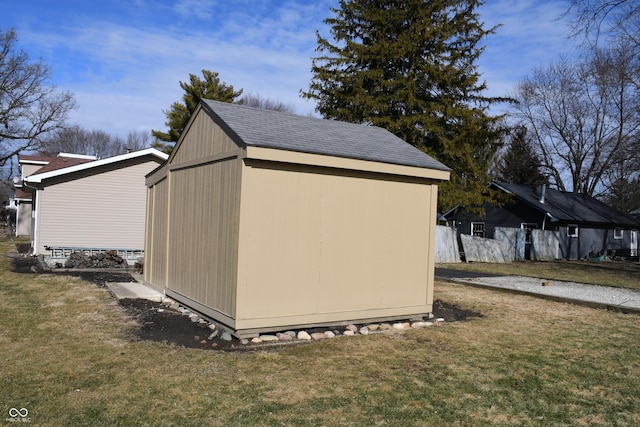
(409,66)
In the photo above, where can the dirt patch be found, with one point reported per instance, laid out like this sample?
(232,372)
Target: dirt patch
(451,312)
(25,264)
(100,278)
(23,248)
(163,324)
(31,265)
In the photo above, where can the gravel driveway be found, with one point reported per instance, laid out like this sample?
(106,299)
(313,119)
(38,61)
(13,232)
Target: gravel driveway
(623,299)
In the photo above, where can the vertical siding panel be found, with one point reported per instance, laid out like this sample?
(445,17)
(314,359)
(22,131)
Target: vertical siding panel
(204,138)
(148,234)
(202,232)
(430,219)
(156,270)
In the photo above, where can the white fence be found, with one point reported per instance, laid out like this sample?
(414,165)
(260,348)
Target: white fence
(447,250)
(508,244)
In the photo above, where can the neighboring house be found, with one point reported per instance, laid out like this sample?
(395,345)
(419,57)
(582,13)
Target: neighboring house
(584,225)
(265,220)
(27,164)
(91,205)
(30,164)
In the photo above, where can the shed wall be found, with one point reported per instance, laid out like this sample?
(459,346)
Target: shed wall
(104,210)
(320,245)
(156,244)
(192,238)
(202,234)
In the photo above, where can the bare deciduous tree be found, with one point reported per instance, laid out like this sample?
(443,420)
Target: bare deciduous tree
(258,101)
(138,140)
(608,19)
(99,143)
(30,107)
(583,118)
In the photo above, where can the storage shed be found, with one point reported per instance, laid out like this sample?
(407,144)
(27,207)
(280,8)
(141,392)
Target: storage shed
(266,221)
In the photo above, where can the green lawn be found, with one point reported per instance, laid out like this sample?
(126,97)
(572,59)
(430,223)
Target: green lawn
(608,273)
(68,357)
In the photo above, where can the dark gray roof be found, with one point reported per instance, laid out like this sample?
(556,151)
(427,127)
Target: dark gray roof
(570,208)
(273,129)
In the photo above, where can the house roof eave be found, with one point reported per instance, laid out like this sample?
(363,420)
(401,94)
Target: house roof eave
(38,178)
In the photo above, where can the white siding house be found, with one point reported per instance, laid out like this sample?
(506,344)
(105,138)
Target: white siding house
(94,206)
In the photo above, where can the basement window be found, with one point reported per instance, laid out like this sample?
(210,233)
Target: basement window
(477,229)
(572,230)
(618,233)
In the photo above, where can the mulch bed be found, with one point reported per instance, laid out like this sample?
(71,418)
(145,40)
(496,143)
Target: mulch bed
(163,324)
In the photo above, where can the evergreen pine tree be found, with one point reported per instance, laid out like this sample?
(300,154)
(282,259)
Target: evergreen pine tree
(624,194)
(520,164)
(409,66)
(178,115)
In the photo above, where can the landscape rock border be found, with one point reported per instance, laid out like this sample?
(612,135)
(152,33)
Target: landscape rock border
(221,338)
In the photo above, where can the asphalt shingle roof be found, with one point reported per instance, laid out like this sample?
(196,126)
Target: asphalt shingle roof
(62,162)
(576,208)
(278,130)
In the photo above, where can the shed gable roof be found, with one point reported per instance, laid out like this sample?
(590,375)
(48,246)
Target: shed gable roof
(273,129)
(578,208)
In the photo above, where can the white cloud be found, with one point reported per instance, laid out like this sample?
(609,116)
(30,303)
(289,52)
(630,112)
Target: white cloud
(125,69)
(124,75)
(532,34)
(201,9)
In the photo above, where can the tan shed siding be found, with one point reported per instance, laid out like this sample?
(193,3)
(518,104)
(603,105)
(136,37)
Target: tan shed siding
(106,210)
(204,138)
(431,242)
(203,229)
(148,234)
(156,244)
(316,245)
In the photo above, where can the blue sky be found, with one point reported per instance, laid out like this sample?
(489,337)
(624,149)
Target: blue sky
(123,59)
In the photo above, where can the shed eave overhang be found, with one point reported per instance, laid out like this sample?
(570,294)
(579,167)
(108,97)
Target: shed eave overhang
(310,159)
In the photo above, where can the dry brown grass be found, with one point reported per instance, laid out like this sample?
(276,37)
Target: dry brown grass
(68,357)
(608,273)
